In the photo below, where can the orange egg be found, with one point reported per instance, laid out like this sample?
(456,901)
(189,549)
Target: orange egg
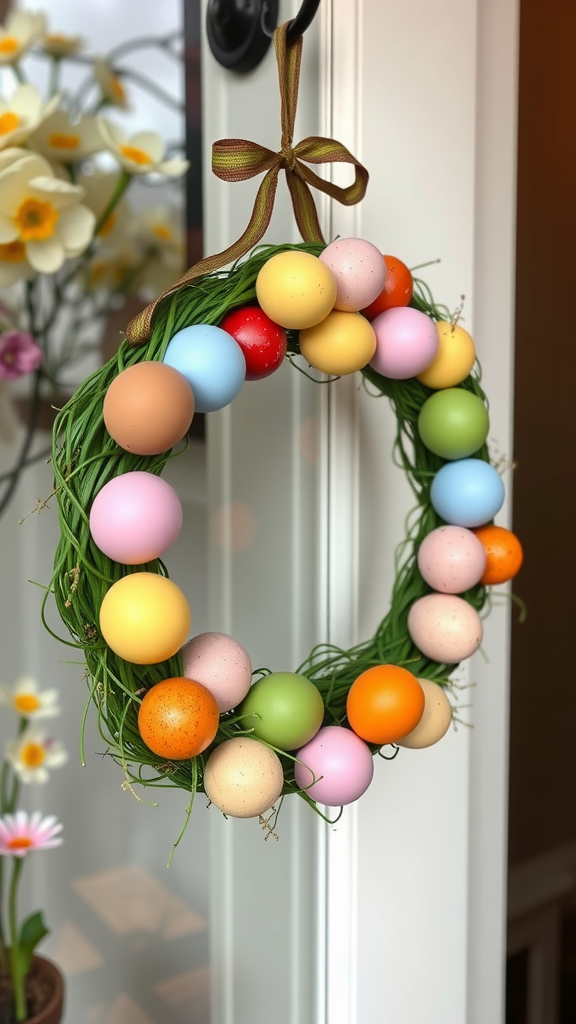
(504,555)
(178,718)
(384,704)
(148,408)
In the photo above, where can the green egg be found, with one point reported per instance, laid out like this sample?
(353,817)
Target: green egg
(289,710)
(453,423)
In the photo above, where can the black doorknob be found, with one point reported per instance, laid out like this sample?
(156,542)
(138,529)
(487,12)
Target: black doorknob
(236,33)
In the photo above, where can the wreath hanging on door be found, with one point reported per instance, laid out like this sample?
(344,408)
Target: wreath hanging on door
(191,713)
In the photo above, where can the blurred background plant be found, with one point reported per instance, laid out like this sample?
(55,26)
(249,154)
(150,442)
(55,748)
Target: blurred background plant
(82,233)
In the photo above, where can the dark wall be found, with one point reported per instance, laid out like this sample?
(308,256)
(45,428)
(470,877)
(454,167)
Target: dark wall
(543,711)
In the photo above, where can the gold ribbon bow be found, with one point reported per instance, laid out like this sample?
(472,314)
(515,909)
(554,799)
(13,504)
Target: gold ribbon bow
(238,159)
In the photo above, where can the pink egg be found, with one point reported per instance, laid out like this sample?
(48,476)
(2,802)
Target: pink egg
(359,270)
(135,518)
(445,628)
(221,664)
(451,559)
(406,342)
(342,759)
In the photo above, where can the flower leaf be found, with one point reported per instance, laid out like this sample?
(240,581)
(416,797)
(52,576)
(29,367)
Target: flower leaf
(32,932)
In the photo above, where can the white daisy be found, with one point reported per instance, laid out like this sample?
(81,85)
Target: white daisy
(27,700)
(33,753)
(58,138)
(140,153)
(42,212)
(20,31)
(59,45)
(21,115)
(110,84)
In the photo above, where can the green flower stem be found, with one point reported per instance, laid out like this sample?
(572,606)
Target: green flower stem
(3,959)
(54,76)
(121,186)
(15,965)
(19,74)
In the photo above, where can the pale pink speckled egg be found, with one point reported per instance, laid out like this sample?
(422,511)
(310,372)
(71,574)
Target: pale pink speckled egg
(445,628)
(221,664)
(451,559)
(359,270)
(406,342)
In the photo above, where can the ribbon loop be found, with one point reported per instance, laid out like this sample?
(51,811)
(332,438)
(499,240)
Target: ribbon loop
(239,159)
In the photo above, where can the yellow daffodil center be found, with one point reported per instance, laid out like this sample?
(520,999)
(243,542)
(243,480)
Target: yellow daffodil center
(13,252)
(107,225)
(33,755)
(20,843)
(36,220)
(8,122)
(26,703)
(161,231)
(137,156)
(118,90)
(62,141)
(8,45)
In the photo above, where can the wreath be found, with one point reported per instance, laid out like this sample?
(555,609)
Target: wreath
(191,713)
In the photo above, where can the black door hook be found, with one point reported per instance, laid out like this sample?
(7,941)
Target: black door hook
(239,31)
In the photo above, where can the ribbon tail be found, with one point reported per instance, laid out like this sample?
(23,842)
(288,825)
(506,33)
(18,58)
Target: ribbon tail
(140,327)
(304,208)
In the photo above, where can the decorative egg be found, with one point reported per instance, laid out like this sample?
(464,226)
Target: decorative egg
(243,777)
(453,423)
(262,341)
(144,618)
(284,709)
(384,703)
(339,761)
(359,272)
(445,628)
(221,664)
(504,555)
(397,290)
(341,343)
(178,718)
(148,408)
(295,289)
(406,342)
(212,363)
(454,359)
(451,559)
(135,518)
(435,721)
(467,492)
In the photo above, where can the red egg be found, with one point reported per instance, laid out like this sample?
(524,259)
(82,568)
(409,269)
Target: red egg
(397,290)
(262,341)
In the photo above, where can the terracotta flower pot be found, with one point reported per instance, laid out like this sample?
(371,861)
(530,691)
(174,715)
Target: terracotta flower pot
(44,993)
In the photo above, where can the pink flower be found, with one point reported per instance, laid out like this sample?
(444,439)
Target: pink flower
(19,354)
(21,833)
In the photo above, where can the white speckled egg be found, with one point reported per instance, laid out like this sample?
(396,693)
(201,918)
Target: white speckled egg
(221,664)
(451,559)
(359,270)
(445,628)
(243,777)
(435,720)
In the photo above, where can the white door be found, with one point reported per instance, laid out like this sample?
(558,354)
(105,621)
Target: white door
(396,915)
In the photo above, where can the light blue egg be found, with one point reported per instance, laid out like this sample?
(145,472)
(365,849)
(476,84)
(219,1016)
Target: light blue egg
(212,362)
(467,492)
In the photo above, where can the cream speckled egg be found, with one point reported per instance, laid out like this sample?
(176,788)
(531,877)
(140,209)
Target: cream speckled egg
(221,664)
(243,777)
(445,628)
(359,271)
(435,720)
(451,559)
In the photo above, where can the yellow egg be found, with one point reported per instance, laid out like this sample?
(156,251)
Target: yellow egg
(454,359)
(243,777)
(341,343)
(144,618)
(435,720)
(295,289)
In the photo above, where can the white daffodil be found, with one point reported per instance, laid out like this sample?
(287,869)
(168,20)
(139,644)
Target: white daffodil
(13,264)
(56,44)
(28,701)
(20,31)
(22,113)
(58,138)
(42,212)
(140,153)
(111,86)
(32,754)
(113,269)
(161,233)
(100,187)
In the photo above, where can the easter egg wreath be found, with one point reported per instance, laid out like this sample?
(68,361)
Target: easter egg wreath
(190,713)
